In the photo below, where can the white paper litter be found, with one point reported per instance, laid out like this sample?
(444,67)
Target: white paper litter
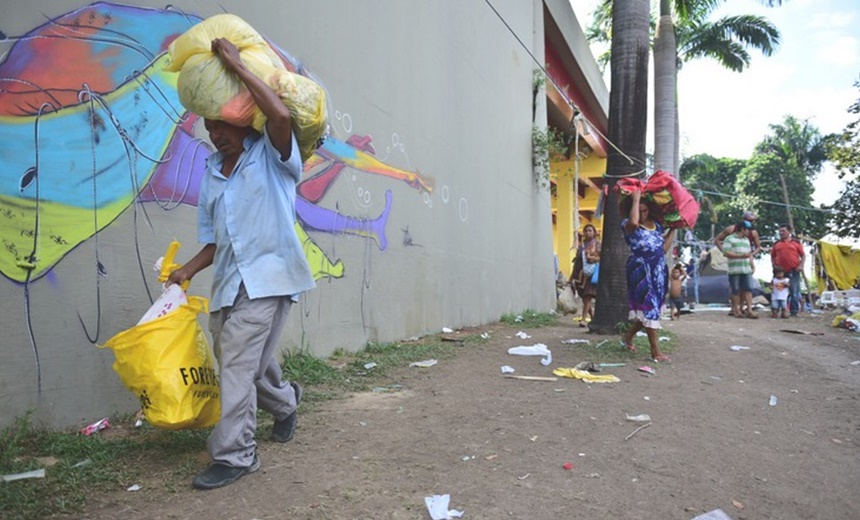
(664,338)
(427,363)
(641,334)
(507,370)
(36,473)
(642,417)
(574,341)
(522,335)
(446,330)
(538,349)
(437,506)
(368,366)
(171,299)
(135,487)
(738,348)
(716,514)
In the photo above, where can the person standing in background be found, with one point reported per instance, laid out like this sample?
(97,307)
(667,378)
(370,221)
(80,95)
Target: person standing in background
(788,253)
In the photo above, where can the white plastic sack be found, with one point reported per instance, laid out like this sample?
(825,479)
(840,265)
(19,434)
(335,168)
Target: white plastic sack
(170,300)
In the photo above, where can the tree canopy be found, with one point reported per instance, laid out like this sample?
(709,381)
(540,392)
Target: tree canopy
(843,150)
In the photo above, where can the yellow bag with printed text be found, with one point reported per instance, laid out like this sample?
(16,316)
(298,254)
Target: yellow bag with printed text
(169,365)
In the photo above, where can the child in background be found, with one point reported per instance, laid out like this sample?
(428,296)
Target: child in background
(779,293)
(676,283)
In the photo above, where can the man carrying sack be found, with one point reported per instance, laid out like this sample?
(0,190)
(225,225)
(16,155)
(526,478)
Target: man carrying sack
(246,219)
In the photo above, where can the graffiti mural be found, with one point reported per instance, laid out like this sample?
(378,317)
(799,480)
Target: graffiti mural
(91,127)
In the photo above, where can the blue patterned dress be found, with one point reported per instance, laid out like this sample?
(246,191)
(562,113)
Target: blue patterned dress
(647,274)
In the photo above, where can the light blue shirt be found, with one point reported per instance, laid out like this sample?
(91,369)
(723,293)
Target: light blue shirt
(251,219)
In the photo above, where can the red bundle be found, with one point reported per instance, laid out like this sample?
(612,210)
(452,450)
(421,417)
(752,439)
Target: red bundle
(674,206)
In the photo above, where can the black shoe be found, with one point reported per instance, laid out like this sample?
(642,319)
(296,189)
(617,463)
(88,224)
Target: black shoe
(218,475)
(283,430)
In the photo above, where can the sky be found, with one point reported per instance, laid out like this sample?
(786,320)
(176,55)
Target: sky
(810,76)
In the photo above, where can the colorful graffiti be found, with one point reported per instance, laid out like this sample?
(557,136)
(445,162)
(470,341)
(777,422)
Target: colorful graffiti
(91,126)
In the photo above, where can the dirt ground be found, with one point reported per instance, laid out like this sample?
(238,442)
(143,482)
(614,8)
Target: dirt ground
(498,445)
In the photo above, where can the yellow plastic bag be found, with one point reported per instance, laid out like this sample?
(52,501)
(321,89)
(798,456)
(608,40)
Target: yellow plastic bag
(207,89)
(168,364)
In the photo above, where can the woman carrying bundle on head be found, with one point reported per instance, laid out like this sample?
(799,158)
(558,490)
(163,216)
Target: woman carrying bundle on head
(647,274)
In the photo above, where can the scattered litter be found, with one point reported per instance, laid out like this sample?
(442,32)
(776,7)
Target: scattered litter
(427,363)
(485,335)
(738,348)
(793,391)
(646,398)
(368,366)
(607,365)
(446,330)
(593,475)
(581,454)
(647,370)
(532,378)
(587,377)
(96,427)
(738,504)
(36,473)
(637,430)
(533,438)
(135,487)
(538,349)
(83,463)
(437,506)
(387,389)
(491,457)
(642,417)
(561,389)
(601,343)
(804,332)
(773,400)
(716,514)
(522,335)
(527,475)
(836,441)
(641,334)
(575,341)
(466,458)
(588,366)
(362,423)
(567,466)
(507,370)
(664,338)
(855,363)
(519,318)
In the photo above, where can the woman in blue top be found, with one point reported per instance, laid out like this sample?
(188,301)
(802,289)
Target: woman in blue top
(647,274)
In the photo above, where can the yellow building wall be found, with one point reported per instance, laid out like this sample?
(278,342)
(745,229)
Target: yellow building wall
(563,172)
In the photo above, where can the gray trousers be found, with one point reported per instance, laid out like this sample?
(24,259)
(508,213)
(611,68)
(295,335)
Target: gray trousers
(245,338)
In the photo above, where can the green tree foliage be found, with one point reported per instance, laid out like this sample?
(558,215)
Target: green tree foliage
(760,182)
(712,180)
(843,150)
(797,142)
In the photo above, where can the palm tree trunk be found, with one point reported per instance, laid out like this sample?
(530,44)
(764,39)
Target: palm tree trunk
(665,73)
(628,119)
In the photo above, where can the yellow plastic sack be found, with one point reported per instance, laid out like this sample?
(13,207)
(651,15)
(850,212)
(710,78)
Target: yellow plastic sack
(168,364)
(208,90)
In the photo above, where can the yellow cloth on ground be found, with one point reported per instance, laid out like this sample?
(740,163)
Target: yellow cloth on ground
(842,264)
(583,375)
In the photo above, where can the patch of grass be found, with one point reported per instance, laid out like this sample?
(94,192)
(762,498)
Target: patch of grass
(529,319)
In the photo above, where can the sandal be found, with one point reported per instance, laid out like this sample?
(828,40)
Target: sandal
(629,346)
(662,358)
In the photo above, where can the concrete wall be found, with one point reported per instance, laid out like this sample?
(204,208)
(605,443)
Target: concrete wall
(422,210)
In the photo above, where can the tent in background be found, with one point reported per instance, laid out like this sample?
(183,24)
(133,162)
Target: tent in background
(837,263)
